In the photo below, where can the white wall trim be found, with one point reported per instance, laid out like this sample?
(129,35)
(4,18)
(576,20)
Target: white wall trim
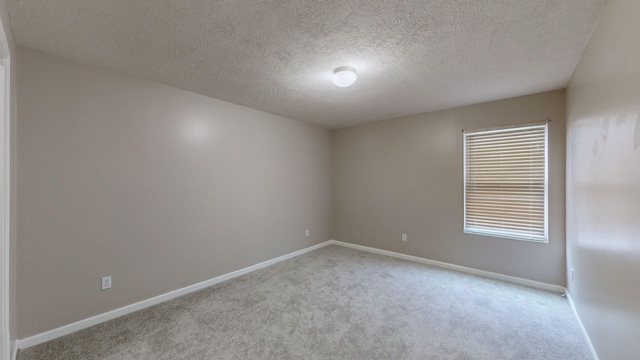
(5,54)
(110,315)
(584,330)
(467,270)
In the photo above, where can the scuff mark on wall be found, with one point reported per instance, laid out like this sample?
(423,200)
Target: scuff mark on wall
(621,119)
(604,130)
(636,136)
(596,146)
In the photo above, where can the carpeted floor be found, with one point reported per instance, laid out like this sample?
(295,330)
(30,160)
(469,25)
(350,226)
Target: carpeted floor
(339,303)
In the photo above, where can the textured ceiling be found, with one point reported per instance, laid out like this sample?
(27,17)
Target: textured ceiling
(278,55)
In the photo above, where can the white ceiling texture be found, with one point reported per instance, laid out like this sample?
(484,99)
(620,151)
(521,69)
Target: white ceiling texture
(278,56)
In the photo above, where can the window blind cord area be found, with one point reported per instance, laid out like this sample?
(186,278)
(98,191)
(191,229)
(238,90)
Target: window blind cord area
(506,182)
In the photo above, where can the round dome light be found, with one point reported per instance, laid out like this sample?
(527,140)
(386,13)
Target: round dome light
(344,76)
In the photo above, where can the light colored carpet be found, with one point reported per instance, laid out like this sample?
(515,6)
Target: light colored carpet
(339,303)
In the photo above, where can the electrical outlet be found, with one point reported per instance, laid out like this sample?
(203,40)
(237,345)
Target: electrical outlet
(307,233)
(404,237)
(106,282)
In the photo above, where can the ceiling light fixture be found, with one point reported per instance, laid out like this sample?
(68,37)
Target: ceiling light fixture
(344,76)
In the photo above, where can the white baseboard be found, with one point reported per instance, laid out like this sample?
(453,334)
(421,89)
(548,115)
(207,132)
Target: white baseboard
(468,270)
(584,330)
(94,320)
(110,315)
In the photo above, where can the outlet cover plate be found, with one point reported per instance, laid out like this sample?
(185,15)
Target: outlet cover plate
(106,282)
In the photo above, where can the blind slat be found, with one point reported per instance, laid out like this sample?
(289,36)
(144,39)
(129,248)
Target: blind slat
(509,224)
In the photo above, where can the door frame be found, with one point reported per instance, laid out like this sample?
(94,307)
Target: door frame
(5,195)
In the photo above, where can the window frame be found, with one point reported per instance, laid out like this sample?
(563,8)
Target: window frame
(498,233)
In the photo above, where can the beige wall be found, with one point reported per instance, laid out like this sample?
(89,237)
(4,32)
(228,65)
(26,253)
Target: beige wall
(405,176)
(603,183)
(158,187)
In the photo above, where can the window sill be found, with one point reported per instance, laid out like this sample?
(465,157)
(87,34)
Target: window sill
(507,236)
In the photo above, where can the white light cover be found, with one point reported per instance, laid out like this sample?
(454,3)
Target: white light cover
(344,76)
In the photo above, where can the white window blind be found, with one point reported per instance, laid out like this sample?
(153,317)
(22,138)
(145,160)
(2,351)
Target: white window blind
(505,185)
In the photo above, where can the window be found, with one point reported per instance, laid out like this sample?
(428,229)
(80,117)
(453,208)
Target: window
(505,182)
